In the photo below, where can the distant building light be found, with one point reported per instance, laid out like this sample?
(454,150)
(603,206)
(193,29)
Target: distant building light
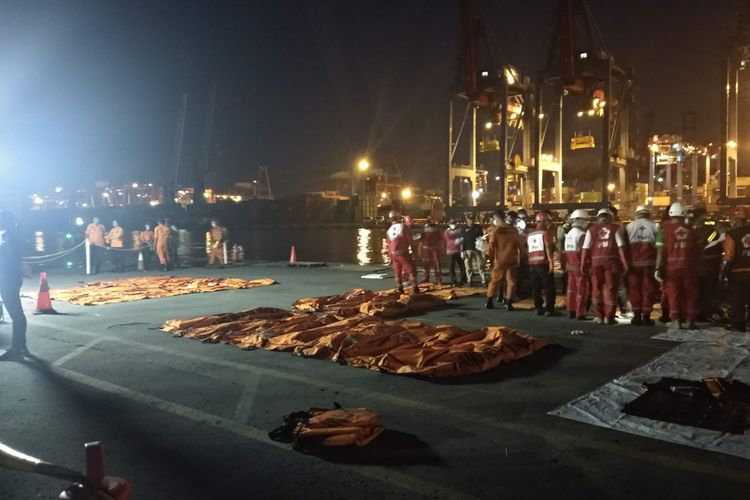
(383,195)
(406,193)
(153,203)
(58,189)
(541,116)
(513,116)
(135,185)
(591,112)
(79,221)
(660,179)
(732,144)
(610,187)
(488,125)
(583,55)
(579,114)
(497,177)
(475,194)
(38,200)
(485,74)
(105,194)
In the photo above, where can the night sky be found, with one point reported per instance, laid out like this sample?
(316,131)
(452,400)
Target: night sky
(91,89)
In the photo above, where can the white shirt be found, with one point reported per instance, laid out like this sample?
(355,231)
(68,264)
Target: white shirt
(642,231)
(573,239)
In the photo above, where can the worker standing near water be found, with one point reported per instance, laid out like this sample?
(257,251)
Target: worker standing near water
(216,241)
(115,239)
(161,243)
(399,243)
(146,240)
(11,280)
(95,236)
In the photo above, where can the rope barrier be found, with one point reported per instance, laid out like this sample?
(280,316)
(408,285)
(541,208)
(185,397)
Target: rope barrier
(53,256)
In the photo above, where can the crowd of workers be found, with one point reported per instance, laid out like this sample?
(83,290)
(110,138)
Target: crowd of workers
(161,241)
(605,263)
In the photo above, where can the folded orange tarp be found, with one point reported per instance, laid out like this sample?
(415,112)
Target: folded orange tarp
(385,304)
(150,287)
(399,347)
(334,427)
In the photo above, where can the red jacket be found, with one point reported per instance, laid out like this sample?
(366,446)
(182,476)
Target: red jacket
(681,250)
(537,243)
(453,239)
(431,237)
(603,241)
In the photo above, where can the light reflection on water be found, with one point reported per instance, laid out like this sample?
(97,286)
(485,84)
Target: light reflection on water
(363,246)
(39,241)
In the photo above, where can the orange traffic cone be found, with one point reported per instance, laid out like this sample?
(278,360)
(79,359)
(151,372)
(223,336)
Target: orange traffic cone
(293,256)
(43,300)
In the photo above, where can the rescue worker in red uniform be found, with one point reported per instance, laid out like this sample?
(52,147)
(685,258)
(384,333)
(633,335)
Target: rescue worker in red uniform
(577,291)
(453,239)
(399,243)
(642,286)
(430,251)
(737,266)
(676,264)
(603,253)
(541,252)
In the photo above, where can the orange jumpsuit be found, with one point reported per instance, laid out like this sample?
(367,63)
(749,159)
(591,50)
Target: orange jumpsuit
(217,245)
(161,242)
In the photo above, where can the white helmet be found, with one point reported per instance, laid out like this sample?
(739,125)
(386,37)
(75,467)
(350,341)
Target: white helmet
(604,212)
(642,209)
(579,213)
(677,210)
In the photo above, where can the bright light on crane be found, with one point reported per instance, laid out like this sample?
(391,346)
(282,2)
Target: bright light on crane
(488,125)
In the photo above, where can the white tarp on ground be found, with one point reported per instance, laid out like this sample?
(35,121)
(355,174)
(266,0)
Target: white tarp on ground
(712,356)
(713,334)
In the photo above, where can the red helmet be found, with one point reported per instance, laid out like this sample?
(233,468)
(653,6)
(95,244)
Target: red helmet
(740,213)
(541,216)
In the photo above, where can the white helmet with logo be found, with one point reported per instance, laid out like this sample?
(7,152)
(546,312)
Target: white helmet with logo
(579,213)
(677,210)
(604,212)
(642,209)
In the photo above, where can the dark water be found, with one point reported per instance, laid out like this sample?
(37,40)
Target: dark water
(320,244)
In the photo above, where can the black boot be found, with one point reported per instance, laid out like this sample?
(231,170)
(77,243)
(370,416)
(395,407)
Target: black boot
(489,304)
(509,306)
(637,319)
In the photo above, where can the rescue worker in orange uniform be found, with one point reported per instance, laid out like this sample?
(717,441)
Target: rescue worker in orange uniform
(216,235)
(541,251)
(399,243)
(504,251)
(737,266)
(161,243)
(430,251)
(115,239)
(601,248)
(577,293)
(642,286)
(676,264)
(95,236)
(146,241)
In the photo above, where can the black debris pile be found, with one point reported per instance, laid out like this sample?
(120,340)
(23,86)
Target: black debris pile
(714,403)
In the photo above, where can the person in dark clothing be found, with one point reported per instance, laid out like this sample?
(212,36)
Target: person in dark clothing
(737,266)
(11,280)
(473,258)
(711,236)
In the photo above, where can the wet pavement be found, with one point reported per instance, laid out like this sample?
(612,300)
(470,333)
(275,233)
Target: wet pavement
(186,420)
